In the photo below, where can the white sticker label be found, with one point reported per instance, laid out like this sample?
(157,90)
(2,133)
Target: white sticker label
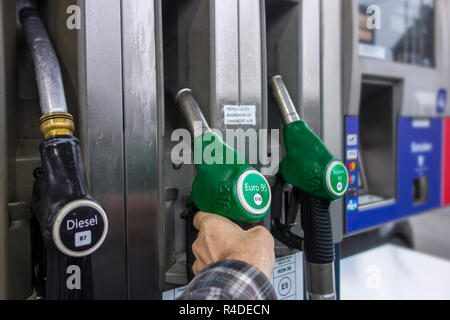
(240,115)
(352,140)
(83,238)
(287,279)
(352,154)
(257,199)
(370,51)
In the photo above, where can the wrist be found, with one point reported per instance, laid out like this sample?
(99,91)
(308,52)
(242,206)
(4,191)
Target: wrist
(258,263)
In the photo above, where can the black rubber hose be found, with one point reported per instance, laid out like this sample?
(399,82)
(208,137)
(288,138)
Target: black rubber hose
(316,224)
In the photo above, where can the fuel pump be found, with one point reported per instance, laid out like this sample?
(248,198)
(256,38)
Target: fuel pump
(228,187)
(69,225)
(318,178)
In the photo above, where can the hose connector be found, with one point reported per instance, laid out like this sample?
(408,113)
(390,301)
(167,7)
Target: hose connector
(57,124)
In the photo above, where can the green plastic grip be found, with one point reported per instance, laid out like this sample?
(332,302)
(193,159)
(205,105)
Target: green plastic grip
(309,165)
(232,189)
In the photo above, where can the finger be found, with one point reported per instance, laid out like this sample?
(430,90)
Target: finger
(195,248)
(195,267)
(199,218)
(258,230)
(263,233)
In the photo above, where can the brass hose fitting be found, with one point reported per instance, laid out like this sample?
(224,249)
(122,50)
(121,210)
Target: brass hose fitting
(57,124)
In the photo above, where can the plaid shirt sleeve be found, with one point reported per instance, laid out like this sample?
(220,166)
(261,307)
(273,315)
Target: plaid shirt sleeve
(229,280)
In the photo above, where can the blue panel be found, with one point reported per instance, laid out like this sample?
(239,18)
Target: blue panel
(361,220)
(354,220)
(420,155)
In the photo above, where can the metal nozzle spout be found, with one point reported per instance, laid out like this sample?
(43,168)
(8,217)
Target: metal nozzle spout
(195,120)
(283,99)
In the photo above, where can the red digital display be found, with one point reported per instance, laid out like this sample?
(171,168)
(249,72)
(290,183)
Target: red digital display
(446,178)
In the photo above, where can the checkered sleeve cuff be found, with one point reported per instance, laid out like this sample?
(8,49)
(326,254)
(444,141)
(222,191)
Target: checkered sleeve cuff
(229,280)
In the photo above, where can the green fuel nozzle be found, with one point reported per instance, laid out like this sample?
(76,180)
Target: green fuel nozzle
(225,184)
(308,164)
(318,178)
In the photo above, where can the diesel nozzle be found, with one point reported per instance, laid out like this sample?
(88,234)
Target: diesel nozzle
(318,178)
(68,223)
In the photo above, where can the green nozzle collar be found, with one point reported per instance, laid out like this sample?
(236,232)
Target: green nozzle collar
(253,192)
(336,179)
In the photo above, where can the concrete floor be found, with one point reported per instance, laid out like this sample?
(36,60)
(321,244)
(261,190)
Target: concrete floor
(432,233)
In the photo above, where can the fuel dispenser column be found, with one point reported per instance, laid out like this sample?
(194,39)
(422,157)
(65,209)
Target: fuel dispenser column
(228,187)
(69,224)
(318,178)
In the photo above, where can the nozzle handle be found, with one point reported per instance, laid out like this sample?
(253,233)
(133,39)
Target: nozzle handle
(284,100)
(318,246)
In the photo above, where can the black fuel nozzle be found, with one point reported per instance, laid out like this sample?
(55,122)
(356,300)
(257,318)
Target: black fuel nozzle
(68,223)
(72,224)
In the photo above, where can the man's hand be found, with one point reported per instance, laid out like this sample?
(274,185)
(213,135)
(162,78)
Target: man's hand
(221,239)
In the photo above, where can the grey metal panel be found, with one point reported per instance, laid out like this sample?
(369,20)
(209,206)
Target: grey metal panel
(101,107)
(265,71)
(225,76)
(294,52)
(161,135)
(251,50)
(332,111)
(350,56)
(140,84)
(236,58)
(195,50)
(284,34)
(420,84)
(15,251)
(185,32)
(4,193)
(310,65)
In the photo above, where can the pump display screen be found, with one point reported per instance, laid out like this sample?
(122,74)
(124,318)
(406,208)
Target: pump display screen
(397,30)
